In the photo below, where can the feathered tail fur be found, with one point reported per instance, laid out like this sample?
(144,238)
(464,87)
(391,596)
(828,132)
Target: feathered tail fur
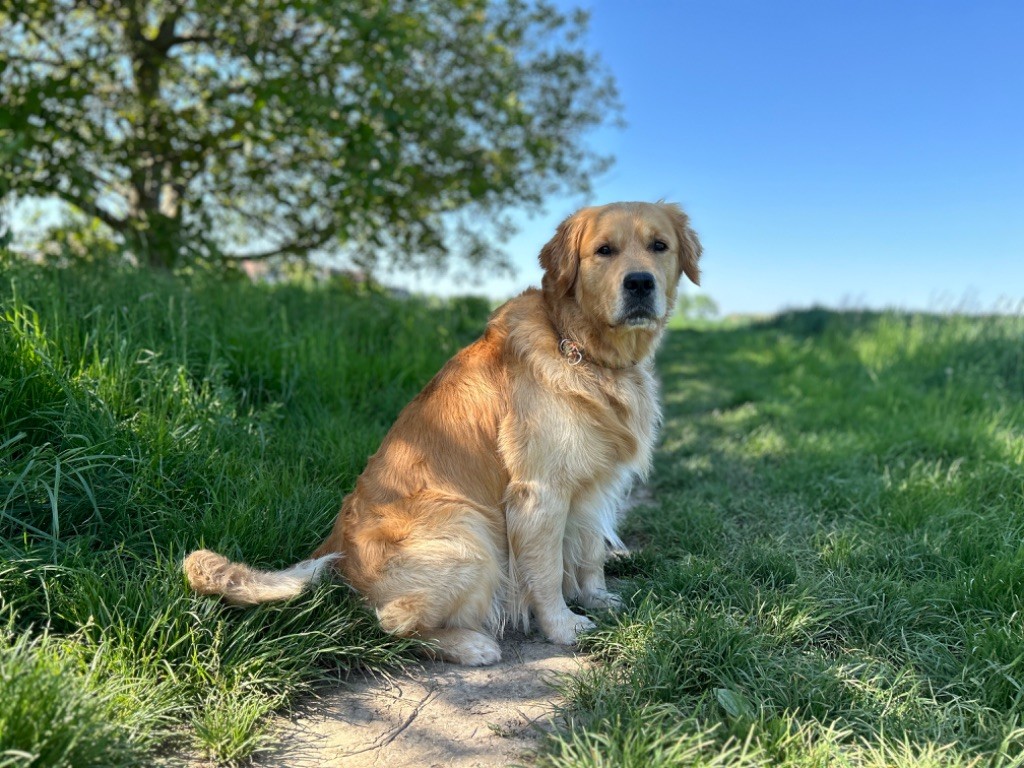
(211,574)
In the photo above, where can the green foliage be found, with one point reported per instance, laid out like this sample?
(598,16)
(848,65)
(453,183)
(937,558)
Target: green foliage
(832,572)
(142,416)
(57,711)
(697,307)
(201,130)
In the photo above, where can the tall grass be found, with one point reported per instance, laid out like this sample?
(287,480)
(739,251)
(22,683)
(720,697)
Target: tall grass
(142,416)
(833,570)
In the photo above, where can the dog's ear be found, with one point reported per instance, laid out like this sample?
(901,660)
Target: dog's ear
(560,258)
(690,248)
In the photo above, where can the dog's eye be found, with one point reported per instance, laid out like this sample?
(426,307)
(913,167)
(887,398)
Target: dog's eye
(604,250)
(658,245)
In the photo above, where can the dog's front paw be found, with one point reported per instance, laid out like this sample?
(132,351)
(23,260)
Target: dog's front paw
(601,600)
(564,628)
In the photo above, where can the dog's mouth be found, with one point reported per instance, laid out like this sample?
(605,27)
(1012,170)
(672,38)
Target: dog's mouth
(638,318)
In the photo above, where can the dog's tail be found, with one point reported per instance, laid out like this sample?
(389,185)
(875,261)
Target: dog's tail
(211,574)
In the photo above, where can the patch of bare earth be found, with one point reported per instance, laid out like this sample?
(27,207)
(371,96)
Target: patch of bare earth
(436,714)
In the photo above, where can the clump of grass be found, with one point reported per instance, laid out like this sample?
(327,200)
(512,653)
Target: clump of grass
(143,416)
(230,725)
(56,710)
(833,570)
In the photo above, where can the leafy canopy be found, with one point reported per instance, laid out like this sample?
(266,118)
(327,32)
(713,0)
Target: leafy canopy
(394,131)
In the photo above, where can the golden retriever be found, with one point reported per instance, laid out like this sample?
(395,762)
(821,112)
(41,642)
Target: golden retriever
(496,490)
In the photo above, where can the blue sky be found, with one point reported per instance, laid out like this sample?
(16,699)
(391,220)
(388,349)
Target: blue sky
(849,154)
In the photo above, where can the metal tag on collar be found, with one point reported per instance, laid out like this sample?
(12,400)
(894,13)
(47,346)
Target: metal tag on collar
(571,350)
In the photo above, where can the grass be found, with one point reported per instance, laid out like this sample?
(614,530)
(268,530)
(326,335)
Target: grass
(142,416)
(833,571)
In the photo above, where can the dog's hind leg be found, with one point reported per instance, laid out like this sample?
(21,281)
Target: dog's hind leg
(462,646)
(441,587)
(450,609)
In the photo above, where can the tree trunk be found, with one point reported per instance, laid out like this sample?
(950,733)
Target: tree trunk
(154,216)
(154,201)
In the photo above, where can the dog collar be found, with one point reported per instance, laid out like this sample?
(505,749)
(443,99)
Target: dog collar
(571,351)
(574,355)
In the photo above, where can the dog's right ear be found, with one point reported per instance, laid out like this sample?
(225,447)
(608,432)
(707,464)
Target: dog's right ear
(560,258)
(690,248)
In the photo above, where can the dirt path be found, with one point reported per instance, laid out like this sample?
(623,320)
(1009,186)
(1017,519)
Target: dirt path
(436,715)
(439,714)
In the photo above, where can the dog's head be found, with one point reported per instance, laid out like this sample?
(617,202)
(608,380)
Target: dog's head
(621,263)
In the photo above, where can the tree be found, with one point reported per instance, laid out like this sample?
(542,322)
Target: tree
(219,129)
(697,306)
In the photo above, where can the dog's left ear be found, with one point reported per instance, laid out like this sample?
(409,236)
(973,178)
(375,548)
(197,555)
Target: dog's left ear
(690,248)
(560,258)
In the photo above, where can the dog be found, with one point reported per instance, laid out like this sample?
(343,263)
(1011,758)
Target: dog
(497,491)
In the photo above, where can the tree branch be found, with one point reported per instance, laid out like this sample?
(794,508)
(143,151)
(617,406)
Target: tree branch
(92,209)
(186,39)
(296,248)
(30,25)
(88,207)
(165,33)
(22,59)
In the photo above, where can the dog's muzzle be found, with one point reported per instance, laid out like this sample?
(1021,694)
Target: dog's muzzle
(639,299)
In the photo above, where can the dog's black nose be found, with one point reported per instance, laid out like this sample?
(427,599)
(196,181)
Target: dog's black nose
(639,284)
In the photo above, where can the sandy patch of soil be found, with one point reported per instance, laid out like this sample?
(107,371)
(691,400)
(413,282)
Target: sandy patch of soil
(437,714)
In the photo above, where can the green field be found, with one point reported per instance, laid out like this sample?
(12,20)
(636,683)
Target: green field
(831,573)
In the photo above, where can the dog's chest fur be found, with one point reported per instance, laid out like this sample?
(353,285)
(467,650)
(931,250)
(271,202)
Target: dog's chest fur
(578,427)
(617,423)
